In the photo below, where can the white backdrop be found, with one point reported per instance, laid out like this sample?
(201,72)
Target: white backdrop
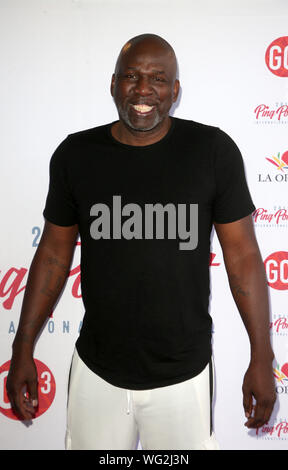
(57,58)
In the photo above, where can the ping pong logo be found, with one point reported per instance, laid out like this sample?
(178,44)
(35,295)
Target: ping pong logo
(276,57)
(276,266)
(46,390)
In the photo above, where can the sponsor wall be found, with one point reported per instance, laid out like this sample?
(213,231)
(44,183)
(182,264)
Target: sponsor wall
(57,59)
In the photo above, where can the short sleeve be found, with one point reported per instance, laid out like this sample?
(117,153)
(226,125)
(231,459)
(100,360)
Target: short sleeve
(60,207)
(232,197)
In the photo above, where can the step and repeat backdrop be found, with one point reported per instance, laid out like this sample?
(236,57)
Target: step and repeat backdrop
(57,58)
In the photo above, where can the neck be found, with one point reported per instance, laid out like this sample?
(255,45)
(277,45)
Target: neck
(128,136)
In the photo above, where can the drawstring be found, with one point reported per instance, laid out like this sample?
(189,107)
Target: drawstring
(128,401)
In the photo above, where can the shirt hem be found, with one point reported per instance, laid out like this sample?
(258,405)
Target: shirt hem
(147,385)
(235,218)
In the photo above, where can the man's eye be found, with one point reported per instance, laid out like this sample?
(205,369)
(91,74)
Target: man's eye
(130,75)
(159,79)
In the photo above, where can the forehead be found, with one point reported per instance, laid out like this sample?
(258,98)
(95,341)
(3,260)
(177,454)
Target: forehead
(148,54)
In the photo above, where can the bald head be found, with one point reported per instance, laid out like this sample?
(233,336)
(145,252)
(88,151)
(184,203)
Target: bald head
(144,43)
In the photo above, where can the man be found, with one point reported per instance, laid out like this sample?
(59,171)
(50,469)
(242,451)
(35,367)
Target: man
(143,193)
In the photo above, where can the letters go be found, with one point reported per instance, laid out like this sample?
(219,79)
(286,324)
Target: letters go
(277,270)
(276,57)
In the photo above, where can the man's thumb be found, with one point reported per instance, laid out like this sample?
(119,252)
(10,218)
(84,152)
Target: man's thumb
(32,389)
(247,403)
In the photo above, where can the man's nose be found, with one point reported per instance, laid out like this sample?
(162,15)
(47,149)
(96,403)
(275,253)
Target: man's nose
(143,86)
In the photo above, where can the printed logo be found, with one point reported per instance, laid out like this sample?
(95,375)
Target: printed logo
(280,164)
(279,325)
(276,57)
(276,266)
(277,114)
(277,217)
(281,375)
(274,430)
(46,390)
(168,221)
(13,281)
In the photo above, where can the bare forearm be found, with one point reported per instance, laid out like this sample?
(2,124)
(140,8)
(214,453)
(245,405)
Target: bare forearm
(47,276)
(248,285)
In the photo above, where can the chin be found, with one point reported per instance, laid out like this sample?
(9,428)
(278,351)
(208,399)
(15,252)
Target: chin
(140,127)
(139,124)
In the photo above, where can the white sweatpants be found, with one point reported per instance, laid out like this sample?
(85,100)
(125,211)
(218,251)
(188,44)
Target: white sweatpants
(102,416)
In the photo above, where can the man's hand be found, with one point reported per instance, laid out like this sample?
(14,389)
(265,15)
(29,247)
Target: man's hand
(258,384)
(22,387)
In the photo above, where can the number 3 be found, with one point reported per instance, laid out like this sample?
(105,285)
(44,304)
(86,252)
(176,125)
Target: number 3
(47,382)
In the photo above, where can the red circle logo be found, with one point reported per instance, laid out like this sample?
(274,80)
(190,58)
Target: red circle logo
(46,390)
(276,266)
(276,57)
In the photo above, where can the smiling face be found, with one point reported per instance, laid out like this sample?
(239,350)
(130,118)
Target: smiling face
(144,85)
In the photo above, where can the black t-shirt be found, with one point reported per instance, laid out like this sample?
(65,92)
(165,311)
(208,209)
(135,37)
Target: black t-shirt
(145,216)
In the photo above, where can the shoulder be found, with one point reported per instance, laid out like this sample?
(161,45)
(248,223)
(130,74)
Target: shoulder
(187,126)
(203,137)
(214,139)
(89,135)
(80,140)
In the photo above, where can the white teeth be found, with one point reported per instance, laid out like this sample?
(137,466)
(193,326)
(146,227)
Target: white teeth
(142,108)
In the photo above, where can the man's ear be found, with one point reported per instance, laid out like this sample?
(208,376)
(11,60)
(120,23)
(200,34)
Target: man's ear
(176,90)
(112,84)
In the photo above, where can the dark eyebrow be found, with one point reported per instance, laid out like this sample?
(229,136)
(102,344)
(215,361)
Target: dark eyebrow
(154,70)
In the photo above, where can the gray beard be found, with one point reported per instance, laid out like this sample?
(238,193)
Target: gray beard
(125,117)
